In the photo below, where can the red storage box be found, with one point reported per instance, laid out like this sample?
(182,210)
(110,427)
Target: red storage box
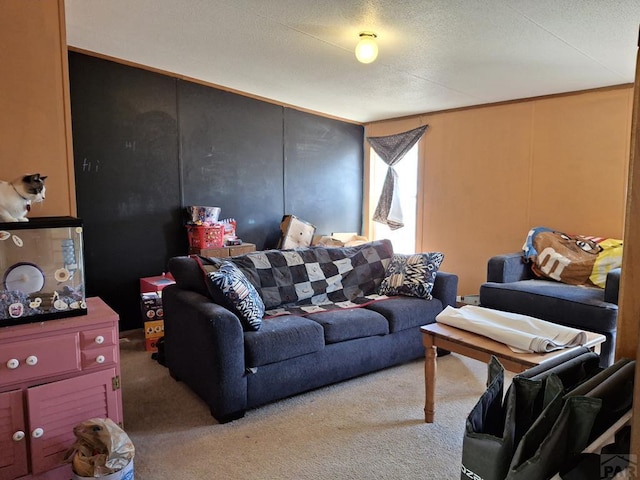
(202,236)
(156,284)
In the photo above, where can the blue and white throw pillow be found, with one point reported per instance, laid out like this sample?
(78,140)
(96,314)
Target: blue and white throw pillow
(411,275)
(239,294)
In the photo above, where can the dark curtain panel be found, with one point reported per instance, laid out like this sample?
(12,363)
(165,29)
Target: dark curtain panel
(392,149)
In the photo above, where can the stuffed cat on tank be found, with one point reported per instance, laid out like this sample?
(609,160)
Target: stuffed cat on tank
(17,196)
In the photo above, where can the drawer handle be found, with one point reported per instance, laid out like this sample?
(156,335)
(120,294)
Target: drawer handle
(13,363)
(37,433)
(100,359)
(99,340)
(32,360)
(19,435)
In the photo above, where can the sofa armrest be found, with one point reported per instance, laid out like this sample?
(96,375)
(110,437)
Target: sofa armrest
(508,268)
(445,288)
(612,286)
(188,274)
(204,347)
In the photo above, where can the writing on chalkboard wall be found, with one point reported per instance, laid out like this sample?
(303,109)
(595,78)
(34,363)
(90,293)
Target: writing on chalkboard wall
(90,166)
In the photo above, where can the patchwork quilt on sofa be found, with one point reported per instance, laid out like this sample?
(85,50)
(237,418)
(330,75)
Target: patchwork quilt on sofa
(289,280)
(310,280)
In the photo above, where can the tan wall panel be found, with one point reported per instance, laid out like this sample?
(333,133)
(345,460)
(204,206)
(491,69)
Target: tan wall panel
(485,174)
(34,118)
(579,175)
(629,301)
(473,185)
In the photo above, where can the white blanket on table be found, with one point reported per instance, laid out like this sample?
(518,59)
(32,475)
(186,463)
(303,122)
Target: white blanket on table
(521,333)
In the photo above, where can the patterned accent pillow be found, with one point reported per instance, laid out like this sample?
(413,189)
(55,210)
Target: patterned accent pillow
(240,295)
(411,275)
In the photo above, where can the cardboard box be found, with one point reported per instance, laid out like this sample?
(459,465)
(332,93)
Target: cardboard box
(151,305)
(235,250)
(151,344)
(154,329)
(295,232)
(153,314)
(223,252)
(156,284)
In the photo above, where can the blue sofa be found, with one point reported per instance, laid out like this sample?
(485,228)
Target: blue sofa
(512,287)
(234,369)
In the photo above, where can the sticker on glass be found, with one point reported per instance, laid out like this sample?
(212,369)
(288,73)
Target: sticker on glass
(60,305)
(62,275)
(16,310)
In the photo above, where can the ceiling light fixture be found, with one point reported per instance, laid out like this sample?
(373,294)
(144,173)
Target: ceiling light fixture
(367,48)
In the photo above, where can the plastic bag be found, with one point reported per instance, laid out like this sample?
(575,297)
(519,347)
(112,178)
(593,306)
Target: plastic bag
(101,448)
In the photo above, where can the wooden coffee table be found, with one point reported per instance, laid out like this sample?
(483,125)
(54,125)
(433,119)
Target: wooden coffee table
(480,348)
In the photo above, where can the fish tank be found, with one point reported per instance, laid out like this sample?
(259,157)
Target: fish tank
(42,270)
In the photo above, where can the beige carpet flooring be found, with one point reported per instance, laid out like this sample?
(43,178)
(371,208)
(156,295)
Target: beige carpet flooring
(371,427)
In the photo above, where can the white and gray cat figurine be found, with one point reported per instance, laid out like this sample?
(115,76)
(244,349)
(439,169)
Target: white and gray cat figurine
(17,196)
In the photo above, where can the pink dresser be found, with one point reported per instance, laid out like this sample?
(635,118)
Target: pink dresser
(54,375)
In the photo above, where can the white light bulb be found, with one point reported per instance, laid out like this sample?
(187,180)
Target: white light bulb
(367,48)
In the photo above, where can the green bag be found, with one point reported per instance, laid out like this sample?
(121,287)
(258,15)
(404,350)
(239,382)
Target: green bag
(494,427)
(561,432)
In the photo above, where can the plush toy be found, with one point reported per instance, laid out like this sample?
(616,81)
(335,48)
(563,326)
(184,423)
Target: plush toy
(571,259)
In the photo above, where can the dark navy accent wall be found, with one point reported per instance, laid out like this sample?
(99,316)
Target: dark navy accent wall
(146,145)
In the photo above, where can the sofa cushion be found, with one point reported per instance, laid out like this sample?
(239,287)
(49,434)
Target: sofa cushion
(282,338)
(228,284)
(580,307)
(350,323)
(407,312)
(411,275)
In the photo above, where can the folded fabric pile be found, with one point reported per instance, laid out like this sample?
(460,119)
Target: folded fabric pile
(520,333)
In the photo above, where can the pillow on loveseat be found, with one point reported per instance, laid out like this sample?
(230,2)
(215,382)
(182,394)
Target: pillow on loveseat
(571,259)
(411,275)
(228,286)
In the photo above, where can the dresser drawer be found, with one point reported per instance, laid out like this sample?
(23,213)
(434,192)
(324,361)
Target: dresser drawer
(40,357)
(98,357)
(96,338)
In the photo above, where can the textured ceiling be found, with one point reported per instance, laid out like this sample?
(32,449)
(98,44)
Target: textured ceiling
(434,54)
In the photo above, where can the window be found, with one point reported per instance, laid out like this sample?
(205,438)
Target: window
(403,239)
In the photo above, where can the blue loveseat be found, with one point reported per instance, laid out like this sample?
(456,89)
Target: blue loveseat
(234,369)
(513,287)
